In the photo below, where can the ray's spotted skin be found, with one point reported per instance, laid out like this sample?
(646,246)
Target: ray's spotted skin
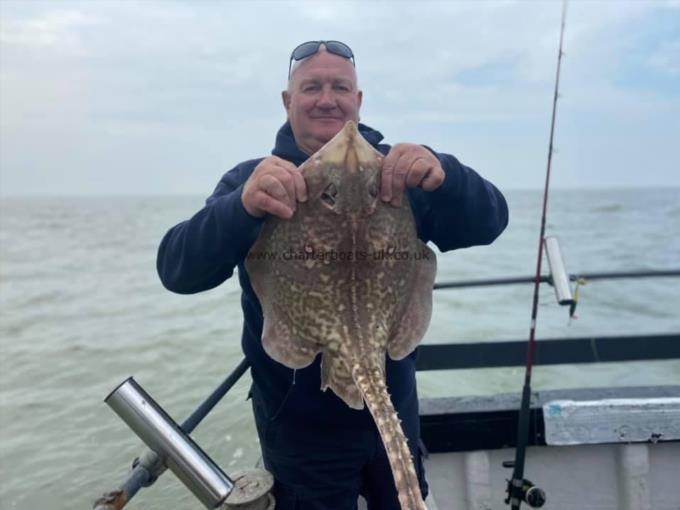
(347,277)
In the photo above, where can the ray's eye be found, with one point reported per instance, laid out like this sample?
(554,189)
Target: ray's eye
(373,189)
(329,195)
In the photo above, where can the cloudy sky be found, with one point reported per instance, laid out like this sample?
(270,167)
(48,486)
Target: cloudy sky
(162,97)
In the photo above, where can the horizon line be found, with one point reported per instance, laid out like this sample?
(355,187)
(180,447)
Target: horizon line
(197,194)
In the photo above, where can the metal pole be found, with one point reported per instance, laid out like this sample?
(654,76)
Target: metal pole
(195,469)
(147,468)
(660,273)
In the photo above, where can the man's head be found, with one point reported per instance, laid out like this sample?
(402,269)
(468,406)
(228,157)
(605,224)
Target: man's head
(322,96)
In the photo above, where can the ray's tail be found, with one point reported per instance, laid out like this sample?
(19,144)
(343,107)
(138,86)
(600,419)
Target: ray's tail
(371,384)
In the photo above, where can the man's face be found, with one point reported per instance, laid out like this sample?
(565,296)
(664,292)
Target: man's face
(322,97)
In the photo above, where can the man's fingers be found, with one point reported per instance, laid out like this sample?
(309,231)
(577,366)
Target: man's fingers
(300,186)
(283,163)
(271,205)
(279,180)
(387,171)
(281,189)
(417,171)
(275,187)
(386,179)
(433,179)
(409,171)
(401,169)
(409,165)
(426,174)
(286,179)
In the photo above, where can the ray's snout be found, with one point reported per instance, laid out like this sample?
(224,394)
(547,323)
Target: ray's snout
(349,150)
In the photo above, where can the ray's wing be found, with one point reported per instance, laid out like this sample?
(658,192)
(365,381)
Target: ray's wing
(281,297)
(409,266)
(413,322)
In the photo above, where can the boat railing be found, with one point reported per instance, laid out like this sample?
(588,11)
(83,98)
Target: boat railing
(556,351)
(442,356)
(576,277)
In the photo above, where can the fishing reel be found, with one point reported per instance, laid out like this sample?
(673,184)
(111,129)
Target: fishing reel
(523,491)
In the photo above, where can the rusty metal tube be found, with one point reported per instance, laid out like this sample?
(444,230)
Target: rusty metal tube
(145,470)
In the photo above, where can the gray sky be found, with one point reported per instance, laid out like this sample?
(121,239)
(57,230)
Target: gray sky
(163,97)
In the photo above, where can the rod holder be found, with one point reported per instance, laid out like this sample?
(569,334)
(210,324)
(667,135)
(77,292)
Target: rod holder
(179,452)
(558,273)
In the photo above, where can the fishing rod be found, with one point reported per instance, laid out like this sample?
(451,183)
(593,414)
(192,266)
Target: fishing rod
(519,489)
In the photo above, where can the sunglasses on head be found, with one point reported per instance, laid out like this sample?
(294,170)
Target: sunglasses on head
(309,48)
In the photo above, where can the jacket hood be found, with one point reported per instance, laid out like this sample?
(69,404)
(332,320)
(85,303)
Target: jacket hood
(287,149)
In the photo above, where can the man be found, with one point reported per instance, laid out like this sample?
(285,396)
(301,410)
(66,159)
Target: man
(322,453)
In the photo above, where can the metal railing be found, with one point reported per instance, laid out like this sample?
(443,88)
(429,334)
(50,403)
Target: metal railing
(148,467)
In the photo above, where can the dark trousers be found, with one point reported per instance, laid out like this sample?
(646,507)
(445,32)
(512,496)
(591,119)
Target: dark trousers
(327,469)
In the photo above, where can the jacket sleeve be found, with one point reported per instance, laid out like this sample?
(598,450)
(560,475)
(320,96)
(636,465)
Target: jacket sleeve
(466,210)
(201,253)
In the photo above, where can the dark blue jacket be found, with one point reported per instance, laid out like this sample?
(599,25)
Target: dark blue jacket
(202,252)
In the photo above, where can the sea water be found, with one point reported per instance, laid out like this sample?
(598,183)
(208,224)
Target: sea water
(81,309)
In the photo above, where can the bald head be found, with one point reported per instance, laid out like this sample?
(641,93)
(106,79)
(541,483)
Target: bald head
(322,96)
(297,64)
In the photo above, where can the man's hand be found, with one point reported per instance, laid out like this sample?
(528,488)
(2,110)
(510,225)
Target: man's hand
(411,165)
(274,187)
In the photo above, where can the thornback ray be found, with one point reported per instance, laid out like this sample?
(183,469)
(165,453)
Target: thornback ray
(347,277)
